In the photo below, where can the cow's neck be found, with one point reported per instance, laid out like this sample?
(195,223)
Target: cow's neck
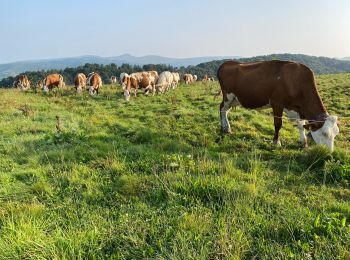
(314,109)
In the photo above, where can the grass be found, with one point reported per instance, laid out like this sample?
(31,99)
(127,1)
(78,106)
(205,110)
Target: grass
(153,179)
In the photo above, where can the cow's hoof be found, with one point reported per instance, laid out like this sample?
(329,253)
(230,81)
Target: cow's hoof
(226,131)
(304,145)
(277,143)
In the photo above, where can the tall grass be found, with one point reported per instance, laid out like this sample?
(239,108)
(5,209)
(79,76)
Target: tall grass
(153,178)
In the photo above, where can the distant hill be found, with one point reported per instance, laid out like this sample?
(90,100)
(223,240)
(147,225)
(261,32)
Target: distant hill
(320,65)
(12,69)
(345,58)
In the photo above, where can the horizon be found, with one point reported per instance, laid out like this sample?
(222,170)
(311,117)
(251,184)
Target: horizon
(175,30)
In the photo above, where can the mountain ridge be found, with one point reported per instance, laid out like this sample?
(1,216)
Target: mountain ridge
(14,68)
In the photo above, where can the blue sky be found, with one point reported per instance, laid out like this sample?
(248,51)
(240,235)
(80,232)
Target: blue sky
(39,29)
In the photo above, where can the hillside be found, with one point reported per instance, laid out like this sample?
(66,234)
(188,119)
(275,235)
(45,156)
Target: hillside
(12,69)
(320,65)
(153,179)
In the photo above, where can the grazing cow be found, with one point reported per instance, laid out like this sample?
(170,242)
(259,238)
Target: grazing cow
(205,78)
(22,82)
(39,84)
(188,78)
(113,80)
(165,81)
(176,79)
(135,81)
(80,82)
(153,77)
(283,85)
(53,80)
(122,76)
(95,82)
(195,78)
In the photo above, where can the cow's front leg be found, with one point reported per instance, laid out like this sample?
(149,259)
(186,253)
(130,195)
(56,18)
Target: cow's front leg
(225,106)
(277,113)
(303,138)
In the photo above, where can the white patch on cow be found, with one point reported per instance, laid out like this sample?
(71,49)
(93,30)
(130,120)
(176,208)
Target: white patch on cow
(225,124)
(327,133)
(46,89)
(292,115)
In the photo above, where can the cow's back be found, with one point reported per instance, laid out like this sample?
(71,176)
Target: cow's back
(256,84)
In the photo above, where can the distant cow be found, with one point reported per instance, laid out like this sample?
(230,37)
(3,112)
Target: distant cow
(95,83)
(176,79)
(39,84)
(153,78)
(113,80)
(195,78)
(205,78)
(283,85)
(80,82)
(121,78)
(188,78)
(53,80)
(22,82)
(165,81)
(142,80)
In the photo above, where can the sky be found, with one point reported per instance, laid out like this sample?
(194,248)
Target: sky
(39,29)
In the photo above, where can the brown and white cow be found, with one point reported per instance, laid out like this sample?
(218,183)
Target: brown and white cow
(80,82)
(53,80)
(22,82)
(188,78)
(153,78)
(95,83)
(283,85)
(121,78)
(135,81)
(113,80)
(205,78)
(39,84)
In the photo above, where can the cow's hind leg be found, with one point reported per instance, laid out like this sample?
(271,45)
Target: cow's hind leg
(225,106)
(277,113)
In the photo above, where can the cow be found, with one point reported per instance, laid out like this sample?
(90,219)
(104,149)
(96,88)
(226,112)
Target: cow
(195,78)
(121,78)
(153,77)
(95,83)
(188,78)
(80,82)
(284,86)
(113,80)
(135,81)
(205,78)
(22,82)
(176,79)
(39,84)
(51,81)
(165,81)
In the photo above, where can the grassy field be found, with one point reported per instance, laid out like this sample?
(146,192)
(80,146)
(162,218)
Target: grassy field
(153,178)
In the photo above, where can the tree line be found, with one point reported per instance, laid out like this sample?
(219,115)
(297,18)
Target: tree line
(320,65)
(105,71)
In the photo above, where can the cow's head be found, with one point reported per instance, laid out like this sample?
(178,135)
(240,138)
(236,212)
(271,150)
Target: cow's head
(92,91)
(324,133)
(79,89)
